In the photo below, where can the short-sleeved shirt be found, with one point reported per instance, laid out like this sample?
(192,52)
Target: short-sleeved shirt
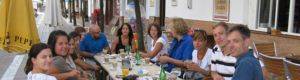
(203,63)
(61,64)
(247,68)
(180,50)
(222,64)
(39,76)
(91,45)
(162,51)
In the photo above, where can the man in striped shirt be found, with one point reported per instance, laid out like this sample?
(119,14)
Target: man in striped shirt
(222,66)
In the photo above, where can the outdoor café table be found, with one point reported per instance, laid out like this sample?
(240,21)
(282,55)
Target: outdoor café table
(149,71)
(294,58)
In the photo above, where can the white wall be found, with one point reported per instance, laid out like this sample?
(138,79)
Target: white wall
(252,16)
(237,9)
(201,10)
(241,11)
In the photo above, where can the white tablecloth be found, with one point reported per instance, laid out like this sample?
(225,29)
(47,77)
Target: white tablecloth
(149,71)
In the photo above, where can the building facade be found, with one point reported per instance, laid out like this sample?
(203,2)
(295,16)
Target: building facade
(258,15)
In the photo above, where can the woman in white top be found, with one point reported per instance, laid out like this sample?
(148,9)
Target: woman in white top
(201,57)
(158,44)
(38,63)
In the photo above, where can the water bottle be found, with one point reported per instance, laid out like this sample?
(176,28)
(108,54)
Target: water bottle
(162,74)
(138,58)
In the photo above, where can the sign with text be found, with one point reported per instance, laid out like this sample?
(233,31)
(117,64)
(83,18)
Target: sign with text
(221,10)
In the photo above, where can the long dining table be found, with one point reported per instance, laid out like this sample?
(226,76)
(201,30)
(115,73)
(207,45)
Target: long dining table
(112,64)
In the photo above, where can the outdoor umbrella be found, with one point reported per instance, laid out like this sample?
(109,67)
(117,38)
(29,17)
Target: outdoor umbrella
(53,20)
(17,24)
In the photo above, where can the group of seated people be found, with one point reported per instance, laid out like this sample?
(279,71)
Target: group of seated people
(71,56)
(62,58)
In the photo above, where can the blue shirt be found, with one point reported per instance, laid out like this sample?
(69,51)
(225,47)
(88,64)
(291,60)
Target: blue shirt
(247,68)
(180,50)
(91,45)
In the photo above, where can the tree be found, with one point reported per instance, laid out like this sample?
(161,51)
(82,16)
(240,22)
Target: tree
(101,17)
(74,13)
(70,10)
(63,7)
(139,25)
(83,12)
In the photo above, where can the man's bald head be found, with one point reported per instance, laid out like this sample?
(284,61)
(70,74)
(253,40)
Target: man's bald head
(94,28)
(94,31)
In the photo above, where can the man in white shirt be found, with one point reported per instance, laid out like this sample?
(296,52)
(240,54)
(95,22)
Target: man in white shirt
(222,64)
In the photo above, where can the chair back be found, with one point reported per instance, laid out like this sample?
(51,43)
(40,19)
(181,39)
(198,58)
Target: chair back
(293,70)
(266,48)
(275,66)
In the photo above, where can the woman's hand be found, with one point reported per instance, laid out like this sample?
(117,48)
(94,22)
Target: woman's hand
(217,77)
(144,55)
(192,67)
(163,59)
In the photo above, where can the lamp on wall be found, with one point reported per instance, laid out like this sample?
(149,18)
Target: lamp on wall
(189,4)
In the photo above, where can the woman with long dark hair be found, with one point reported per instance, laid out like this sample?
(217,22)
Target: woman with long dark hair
(62,66)
(124,38)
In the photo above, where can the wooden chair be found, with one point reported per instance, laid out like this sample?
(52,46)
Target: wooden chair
(293,70)
(275,66)
(266,48)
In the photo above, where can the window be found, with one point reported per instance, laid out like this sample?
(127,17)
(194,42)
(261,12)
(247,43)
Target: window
(267,13)
(283,15)
(297,17)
